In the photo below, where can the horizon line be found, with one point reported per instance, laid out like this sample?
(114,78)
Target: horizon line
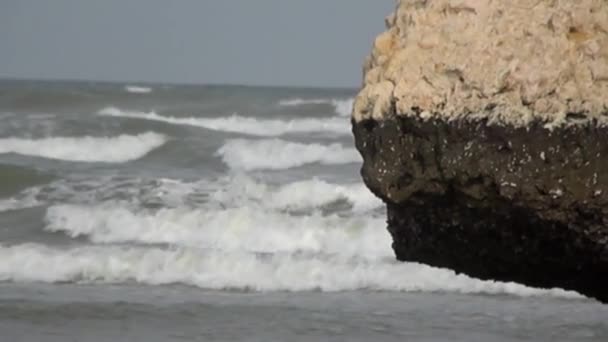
(172,83)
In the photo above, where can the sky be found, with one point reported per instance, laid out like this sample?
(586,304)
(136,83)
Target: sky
(253,42)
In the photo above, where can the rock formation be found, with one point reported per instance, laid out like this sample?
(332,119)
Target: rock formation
(483,125)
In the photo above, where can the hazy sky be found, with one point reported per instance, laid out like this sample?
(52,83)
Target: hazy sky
(270,42)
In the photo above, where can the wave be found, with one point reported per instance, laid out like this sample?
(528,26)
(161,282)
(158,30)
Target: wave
(247,228)
(225,192)
(118,149)
(295,102)
(10,204)
(243,237)
(138,89)
(300,195)
(242,124)
(342,107)
(276,154)
(238,270)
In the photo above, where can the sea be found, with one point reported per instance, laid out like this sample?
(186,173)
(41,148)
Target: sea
(154,212)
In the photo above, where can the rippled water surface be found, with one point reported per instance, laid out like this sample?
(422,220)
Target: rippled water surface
(189,213)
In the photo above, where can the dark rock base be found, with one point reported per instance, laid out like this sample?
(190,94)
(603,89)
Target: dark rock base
(495,202)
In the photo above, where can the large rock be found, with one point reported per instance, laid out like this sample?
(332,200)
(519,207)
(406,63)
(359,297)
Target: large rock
(483,125)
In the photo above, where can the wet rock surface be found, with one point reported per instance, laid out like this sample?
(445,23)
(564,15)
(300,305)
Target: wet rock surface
(523,204)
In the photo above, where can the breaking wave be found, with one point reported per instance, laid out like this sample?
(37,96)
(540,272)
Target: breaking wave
(213,269)
(246,235)
(241,124)
(342,107)
(301,195)
(251,228)
(9,204)
(225,192)
(276,154)
(118,149)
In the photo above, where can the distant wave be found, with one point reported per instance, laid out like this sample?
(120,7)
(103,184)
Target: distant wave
(117,149)
(212,269)
(294,102)
(342,107)
(241,124)
(138,89)
(276,154)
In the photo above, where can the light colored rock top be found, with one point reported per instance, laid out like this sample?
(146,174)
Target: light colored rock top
(510,61)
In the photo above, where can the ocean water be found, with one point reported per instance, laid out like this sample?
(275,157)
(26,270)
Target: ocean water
(136,212)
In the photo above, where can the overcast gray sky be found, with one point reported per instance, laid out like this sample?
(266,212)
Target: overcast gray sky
(268,42)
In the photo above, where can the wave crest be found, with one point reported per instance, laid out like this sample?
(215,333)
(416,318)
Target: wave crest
(241,124)
(276,154)
(226,229)
(118,149)
(238,270)
(138,89)
(342,107)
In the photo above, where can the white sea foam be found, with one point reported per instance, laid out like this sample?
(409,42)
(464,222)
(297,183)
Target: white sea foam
(276,154)
(227,192)
(212,269)
(9,204)
(116,149)
(138,89)
(295,102)
(342,107)
(242,124)
(314,193)
(246,228)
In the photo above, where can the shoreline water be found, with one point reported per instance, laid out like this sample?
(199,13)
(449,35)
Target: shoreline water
(237,225)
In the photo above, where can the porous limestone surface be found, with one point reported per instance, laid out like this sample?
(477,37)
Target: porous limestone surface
(508,61)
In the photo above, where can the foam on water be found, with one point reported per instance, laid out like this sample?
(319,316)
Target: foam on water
(213,269)
(230,191)
(241,124)
(244,236)
(138,89)
(9,204)
(246,228)
(276,154)
(118,149)
(342,107)
(295,102)
(314,193)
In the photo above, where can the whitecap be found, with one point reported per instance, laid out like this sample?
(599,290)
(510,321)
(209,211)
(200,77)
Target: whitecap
(295,102)
(235,190)
(241,124)
(138,89)
(9,204)
(117,149)
(276,154)
(213,269)
(299,195)
(342,107)
(250,228)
